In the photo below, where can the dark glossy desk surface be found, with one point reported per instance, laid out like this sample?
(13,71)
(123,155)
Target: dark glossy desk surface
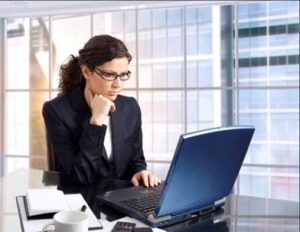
(240,214)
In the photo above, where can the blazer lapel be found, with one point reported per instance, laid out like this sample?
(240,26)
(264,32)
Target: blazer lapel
(117,119)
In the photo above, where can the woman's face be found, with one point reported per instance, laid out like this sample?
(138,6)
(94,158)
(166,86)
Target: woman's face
(107,88)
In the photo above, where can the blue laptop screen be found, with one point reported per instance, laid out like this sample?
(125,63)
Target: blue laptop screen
(204,168)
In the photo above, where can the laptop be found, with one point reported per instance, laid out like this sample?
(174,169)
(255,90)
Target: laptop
(203,171)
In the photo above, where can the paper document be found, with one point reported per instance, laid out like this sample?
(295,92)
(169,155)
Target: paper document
(44,201)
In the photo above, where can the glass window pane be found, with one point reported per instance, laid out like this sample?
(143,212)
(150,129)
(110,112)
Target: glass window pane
(17,123)
(175,41)
(160,137)
(39,53)
(18,53)
(175,106)
(205,38)
(131,83)
(284,99)
(191,40)
(277,8)
(284,127)
(174,16)
(205,74)
(146,104)
(145,45)
(204,14)
(253,182)
(192,74)
(257,153)
(287,154)
(159,18)
(144,19)
(253,99)
(175,75)
(159,75)
(161,170)
(130,21)
(145,76)
(148,140)
(117,22)
(275,183)
(259,121)
(160,106)
(204,107)
(174,132)
(25,134)
(191,15)
(130,42)
(64,30)
(159,43)
(102,23)
(28,42)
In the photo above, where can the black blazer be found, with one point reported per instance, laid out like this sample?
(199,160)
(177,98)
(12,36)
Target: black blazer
(78,145)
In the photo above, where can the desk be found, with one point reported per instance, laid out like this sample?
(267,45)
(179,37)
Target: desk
(241,213)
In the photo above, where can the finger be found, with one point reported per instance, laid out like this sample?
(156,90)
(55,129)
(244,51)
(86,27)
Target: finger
(145,179)
(151,180)
(156,181)
(134,181)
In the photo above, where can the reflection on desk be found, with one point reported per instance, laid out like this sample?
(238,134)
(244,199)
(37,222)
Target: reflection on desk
(240,214)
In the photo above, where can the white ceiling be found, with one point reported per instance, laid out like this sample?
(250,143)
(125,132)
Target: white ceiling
(37,8)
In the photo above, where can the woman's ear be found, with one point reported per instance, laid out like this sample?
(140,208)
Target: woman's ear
(85,71)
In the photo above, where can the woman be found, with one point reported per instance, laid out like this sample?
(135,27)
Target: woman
(95,132)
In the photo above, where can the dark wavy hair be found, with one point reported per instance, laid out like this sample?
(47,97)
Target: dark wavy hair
(98,50)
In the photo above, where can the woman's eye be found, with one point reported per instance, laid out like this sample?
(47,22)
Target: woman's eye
(108,74)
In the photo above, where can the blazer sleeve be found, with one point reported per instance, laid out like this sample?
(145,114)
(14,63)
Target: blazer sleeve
(80,160)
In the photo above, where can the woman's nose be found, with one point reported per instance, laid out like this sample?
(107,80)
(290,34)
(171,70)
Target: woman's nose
(117,82)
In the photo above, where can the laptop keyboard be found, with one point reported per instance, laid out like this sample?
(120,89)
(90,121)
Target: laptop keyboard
(146,203)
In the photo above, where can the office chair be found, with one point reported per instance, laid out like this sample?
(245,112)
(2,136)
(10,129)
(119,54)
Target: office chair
(50,155)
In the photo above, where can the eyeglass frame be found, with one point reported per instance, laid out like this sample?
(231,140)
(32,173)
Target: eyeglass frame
(100,72)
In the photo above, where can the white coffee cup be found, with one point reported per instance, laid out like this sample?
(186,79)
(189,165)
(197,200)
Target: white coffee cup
(69,221)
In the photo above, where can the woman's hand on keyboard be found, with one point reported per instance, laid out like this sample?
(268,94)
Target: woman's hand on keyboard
(146,178)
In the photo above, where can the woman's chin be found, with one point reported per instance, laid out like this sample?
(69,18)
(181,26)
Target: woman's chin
(112,97)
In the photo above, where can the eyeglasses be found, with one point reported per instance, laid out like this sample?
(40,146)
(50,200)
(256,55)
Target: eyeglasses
(111,76)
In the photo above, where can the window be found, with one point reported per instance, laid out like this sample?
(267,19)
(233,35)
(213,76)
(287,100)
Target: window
(182,76)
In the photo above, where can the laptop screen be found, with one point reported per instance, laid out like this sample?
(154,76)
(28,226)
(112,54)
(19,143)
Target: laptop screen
(204,168)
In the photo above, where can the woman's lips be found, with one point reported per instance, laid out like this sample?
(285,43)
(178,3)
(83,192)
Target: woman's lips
(113,94)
